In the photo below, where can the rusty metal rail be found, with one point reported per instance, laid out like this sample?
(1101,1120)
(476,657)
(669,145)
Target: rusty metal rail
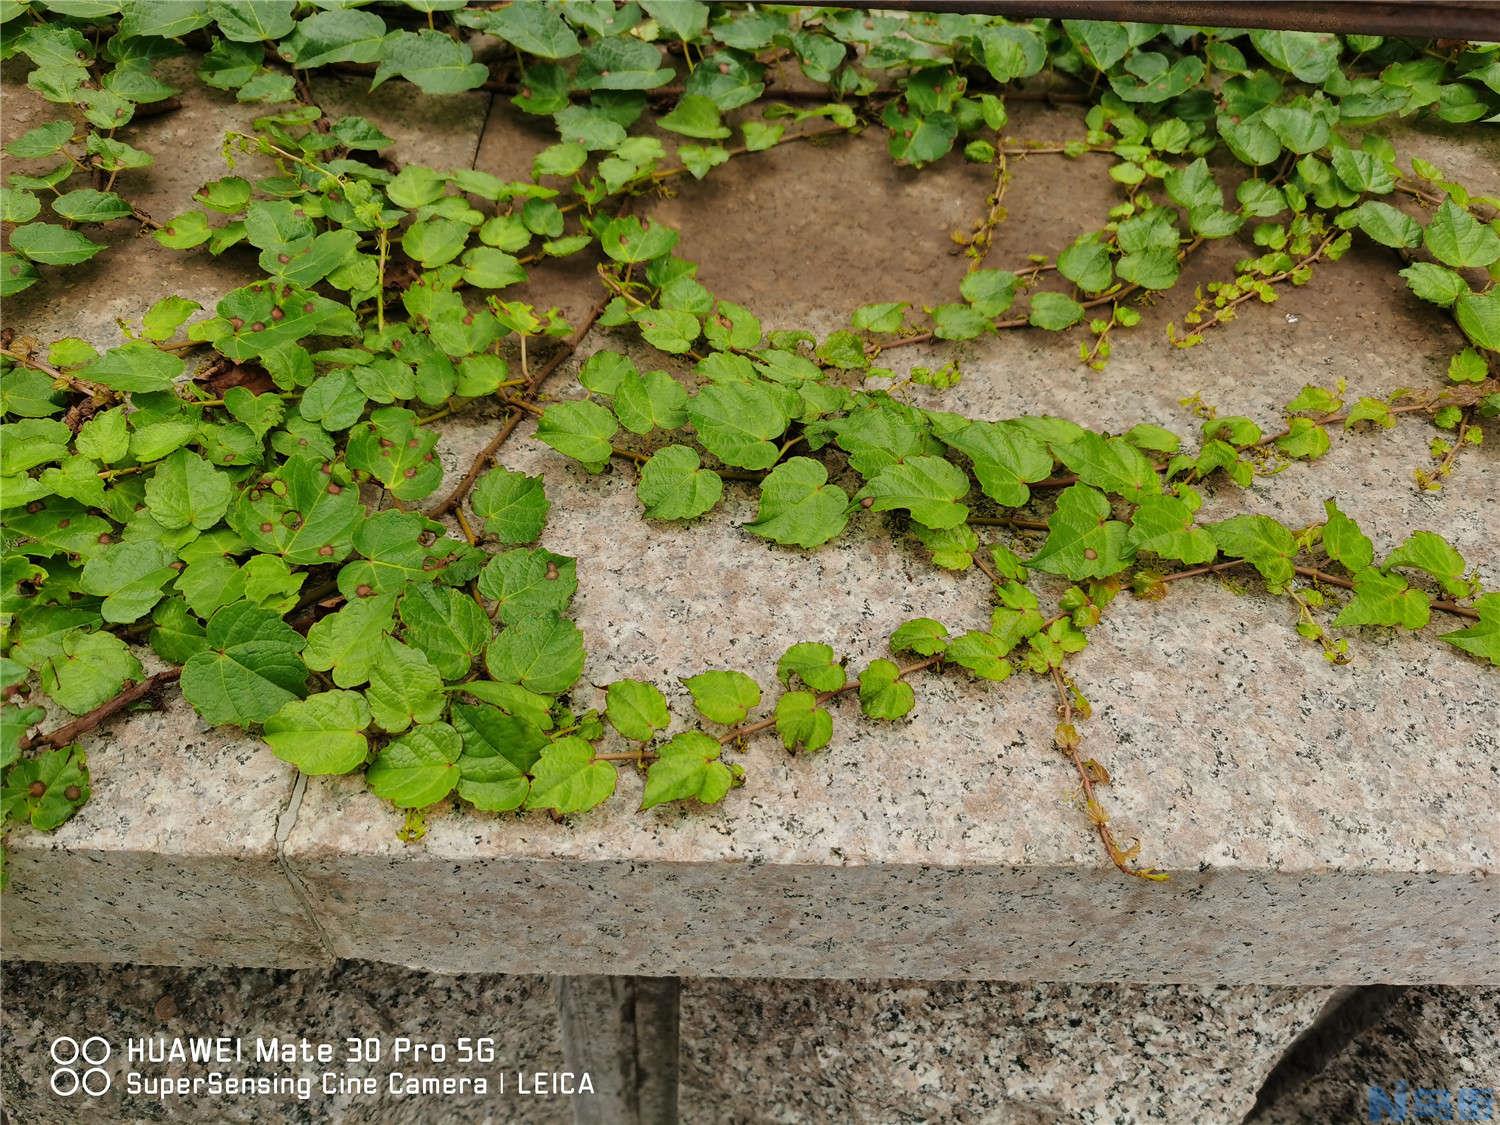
(1474,20)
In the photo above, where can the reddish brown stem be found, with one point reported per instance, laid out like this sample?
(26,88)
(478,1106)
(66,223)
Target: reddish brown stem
(70,731)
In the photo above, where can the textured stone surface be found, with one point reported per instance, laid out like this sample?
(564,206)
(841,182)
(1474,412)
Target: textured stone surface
(322,1005)
(1323,824)
(904,1051)
(1442,1039)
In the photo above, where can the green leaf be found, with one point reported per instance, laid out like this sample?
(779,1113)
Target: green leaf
(580,430)
(567,779)
(498,751)
(952,548)
(1163,526)
(432,61)
(1435,283)
(488,268)
(882,692)
(735,422)
(1086,263)
(342,35)
(673,487)
(813,664)
(1468,366)
(1345,543)
(723,697)
(1111,464)
(1054,311)
(44,140)
(129,576)
(322,734)
(310,523)
(687,768)
(405,688)
(695,116)
(529,583)
(1430,553)
(1310,56)
(1478,314)
(87,669)
(250,669)
(1384,599)
(1261,541)
(51,245)
(627,240)
(1458,239)
(136,366)
(650,401)
(636,709)
(512,505)
(166,19)
(928,487)
(982,654)
(186,491)
(801,723)
(542,653)
(57,772)
(921,635)
(447,626)
(1006,458)
(433,242)
(418,769)
(89,206)
(622,63)
(1383,223)
(958,322)
(537,29)
(348,642)
(1481,639)
(798,507)
(253,21)
(1082,541)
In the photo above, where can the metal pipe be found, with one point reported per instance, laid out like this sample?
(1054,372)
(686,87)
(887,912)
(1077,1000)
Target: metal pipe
(1473,20)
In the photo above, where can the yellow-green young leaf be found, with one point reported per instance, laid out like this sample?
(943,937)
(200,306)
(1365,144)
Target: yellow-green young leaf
(1481,639)
(723,697)
(674,487)
(499,749)
(1344,542)
(650,401)
(580,430)
(982,654)
(543,654)
(1163,525)
(1458,239)
(1111,464)
(636,709)
(418,769)
(687,768)
(813,664)
(952,547)
(512,505)
(512,699)
(85,669)
(321,734)
(1304,439)
(801,723)
(1260,541)
(921,635)
(798,507)
(1468,366)
(1384,599)
(882,692)
(928,487)
(1054,311)
(567,779)
(1083,542)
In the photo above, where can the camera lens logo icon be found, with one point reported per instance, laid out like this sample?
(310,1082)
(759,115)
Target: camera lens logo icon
(80,1066)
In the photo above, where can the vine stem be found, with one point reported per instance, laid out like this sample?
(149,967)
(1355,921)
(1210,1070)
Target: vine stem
(533,386)
(1314,574)
(1067,742)
(823,697)
(70,731)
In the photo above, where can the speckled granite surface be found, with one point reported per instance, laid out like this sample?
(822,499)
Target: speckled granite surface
(892,1052)
(1445,1040)
(322,1005)
(1324,825)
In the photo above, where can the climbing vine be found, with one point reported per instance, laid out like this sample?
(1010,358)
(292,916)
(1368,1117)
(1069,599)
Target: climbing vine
(271,523)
